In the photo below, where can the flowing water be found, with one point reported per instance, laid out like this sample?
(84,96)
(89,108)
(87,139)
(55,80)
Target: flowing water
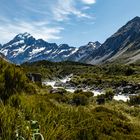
(72,89)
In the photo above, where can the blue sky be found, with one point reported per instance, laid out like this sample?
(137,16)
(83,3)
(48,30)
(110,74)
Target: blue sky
(75,22)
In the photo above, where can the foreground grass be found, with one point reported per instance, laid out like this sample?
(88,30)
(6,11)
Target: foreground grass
(60,121)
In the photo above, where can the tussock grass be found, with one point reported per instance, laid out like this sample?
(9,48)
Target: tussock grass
(60,121)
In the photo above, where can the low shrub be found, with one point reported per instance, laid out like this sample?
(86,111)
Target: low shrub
(88,94)
(100,99)
(58,97)
(134,100)
(109,94)
(80,99)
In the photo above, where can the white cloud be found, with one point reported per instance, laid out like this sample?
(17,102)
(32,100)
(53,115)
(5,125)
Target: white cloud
(37,29)
(48,12)
(89,1)
(86,8)
(65,8)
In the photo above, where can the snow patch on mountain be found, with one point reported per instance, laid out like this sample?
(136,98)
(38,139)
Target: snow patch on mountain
(18,42)
(37,50)
(24,35)
(46,52)
(4,51)
(84,51)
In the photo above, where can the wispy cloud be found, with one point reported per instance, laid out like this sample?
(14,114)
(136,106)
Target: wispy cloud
(41,18)
(89,1)
(65,8)
(37,29)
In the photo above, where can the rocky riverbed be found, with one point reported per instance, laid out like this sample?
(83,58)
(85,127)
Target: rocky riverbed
(68,86)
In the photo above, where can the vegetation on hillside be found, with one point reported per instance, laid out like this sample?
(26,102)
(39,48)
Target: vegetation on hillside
(63,115)
(105,76)
(13,80)
(62,121)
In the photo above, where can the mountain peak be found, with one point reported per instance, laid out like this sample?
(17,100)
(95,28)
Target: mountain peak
(23,35)
(134,22)
(121,46)
(137,18)
(63,46)
(94,44)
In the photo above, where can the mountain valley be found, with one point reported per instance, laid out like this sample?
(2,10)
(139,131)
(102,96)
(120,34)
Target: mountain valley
(60,92)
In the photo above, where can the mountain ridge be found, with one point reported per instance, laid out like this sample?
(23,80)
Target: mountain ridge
(24,47)
(125,39)
(122,47)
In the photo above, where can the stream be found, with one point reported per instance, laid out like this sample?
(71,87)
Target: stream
(63,83)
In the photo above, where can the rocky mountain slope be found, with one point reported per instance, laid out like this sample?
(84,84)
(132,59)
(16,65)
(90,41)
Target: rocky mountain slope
(122,47)
(84,51)
(2,56)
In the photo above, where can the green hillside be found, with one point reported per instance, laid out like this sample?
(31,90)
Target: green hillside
(67,116)
(107,75)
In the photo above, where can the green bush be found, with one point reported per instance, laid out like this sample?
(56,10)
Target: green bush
(14,81)
(100,99)
(129,71)
(134,100)
(14,101)
(109,94)
(30,88)
(58,97)
(78,91)
(80,99)
(88,94)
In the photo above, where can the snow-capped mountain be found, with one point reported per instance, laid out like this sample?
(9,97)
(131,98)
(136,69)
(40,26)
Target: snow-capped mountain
(122,47)
(1,55)
(25,47)
(84,51)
